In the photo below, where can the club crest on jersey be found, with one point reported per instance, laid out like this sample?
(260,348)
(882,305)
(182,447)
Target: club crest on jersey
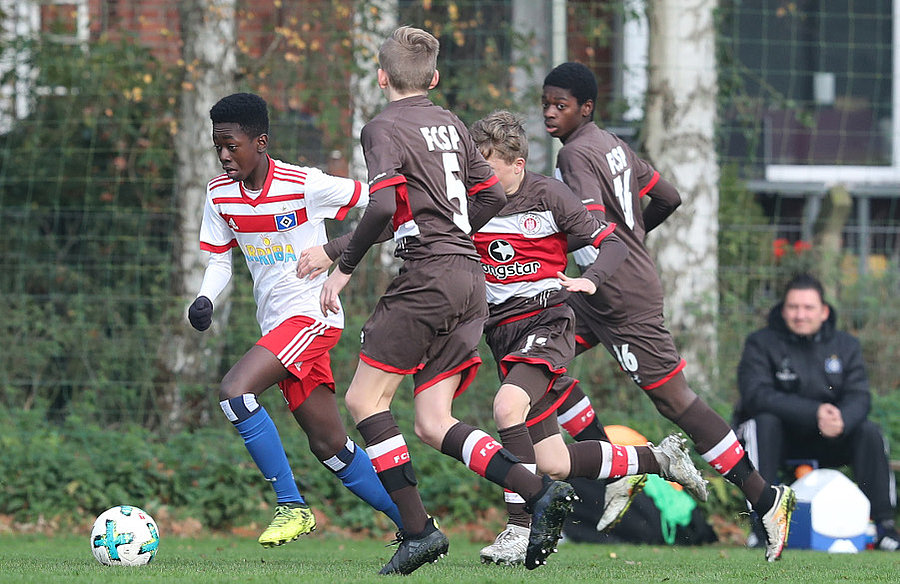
(286,221)
(833,365)
(529,223)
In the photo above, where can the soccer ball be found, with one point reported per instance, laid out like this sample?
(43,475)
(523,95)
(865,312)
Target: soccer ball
(124,536)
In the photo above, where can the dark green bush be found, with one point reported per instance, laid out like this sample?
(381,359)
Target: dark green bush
(73,471)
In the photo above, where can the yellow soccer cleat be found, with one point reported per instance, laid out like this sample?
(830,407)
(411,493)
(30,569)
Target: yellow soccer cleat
(777,522)
(290,522)
(617,500)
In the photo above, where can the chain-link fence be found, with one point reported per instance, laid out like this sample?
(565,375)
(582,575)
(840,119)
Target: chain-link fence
(93,95)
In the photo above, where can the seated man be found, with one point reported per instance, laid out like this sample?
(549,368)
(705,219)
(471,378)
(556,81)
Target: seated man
(804,393)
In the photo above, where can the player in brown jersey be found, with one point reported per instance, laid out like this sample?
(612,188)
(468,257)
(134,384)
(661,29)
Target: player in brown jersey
(431,187)
(626,313)
(530,329)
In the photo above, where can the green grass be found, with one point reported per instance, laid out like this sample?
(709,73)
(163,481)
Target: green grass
(328,558)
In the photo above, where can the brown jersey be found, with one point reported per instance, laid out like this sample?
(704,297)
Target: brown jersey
(611,180)
(442,186)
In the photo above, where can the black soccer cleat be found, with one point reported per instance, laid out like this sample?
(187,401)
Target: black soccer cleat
(415,553)
(549,513)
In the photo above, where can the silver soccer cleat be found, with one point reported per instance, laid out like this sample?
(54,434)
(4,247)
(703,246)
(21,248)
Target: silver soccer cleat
(675,464)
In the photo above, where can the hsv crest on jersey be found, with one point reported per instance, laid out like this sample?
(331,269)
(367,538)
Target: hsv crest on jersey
(286,221)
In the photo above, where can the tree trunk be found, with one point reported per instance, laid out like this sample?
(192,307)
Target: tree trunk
(828,238)
(530,20)
(681,115)
(372,28)
(190,359)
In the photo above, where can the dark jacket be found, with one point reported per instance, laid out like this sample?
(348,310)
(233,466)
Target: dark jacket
(790,376)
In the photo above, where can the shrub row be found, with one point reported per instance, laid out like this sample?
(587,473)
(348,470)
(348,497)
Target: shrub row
(71,471)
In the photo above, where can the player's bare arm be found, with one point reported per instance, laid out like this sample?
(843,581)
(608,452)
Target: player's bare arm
(316,260)
(576,284)
(313,261)
(328,299)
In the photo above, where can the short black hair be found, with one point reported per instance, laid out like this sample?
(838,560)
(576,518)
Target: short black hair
(575,77)
(247,110)
(805,281)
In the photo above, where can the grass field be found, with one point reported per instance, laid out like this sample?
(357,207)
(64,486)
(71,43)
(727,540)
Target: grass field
(327,558)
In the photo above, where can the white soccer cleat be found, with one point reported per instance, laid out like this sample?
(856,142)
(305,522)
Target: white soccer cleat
(675,464)
(619,495)
(509,547)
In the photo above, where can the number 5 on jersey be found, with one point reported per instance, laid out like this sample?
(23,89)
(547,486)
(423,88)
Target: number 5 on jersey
(456,191)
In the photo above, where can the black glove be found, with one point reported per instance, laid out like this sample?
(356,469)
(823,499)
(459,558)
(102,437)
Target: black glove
(200,313)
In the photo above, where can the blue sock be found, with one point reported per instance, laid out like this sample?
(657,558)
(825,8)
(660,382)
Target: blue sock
(264,444)
(353,466)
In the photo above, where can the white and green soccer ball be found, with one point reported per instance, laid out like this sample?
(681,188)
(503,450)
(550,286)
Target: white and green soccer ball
(124,536)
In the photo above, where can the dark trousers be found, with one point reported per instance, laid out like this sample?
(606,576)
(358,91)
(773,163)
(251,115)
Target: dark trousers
(770,442)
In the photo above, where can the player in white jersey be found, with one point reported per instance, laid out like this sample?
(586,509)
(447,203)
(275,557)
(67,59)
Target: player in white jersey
(272,226)
(272,210)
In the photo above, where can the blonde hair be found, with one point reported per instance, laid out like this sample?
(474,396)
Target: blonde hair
(501,134)
(409,57)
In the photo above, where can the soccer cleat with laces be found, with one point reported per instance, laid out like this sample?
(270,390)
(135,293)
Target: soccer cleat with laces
(619,495)
(508,548)
(777,521)
(412,554)
(675,464)
(549,512)
(290,522)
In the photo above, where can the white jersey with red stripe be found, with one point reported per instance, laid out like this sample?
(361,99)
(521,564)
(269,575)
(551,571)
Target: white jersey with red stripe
(521,254)
(525,244)
(274,228)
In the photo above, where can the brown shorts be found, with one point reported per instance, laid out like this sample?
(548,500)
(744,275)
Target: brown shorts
(644,350)
(544,339)
(429,321)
